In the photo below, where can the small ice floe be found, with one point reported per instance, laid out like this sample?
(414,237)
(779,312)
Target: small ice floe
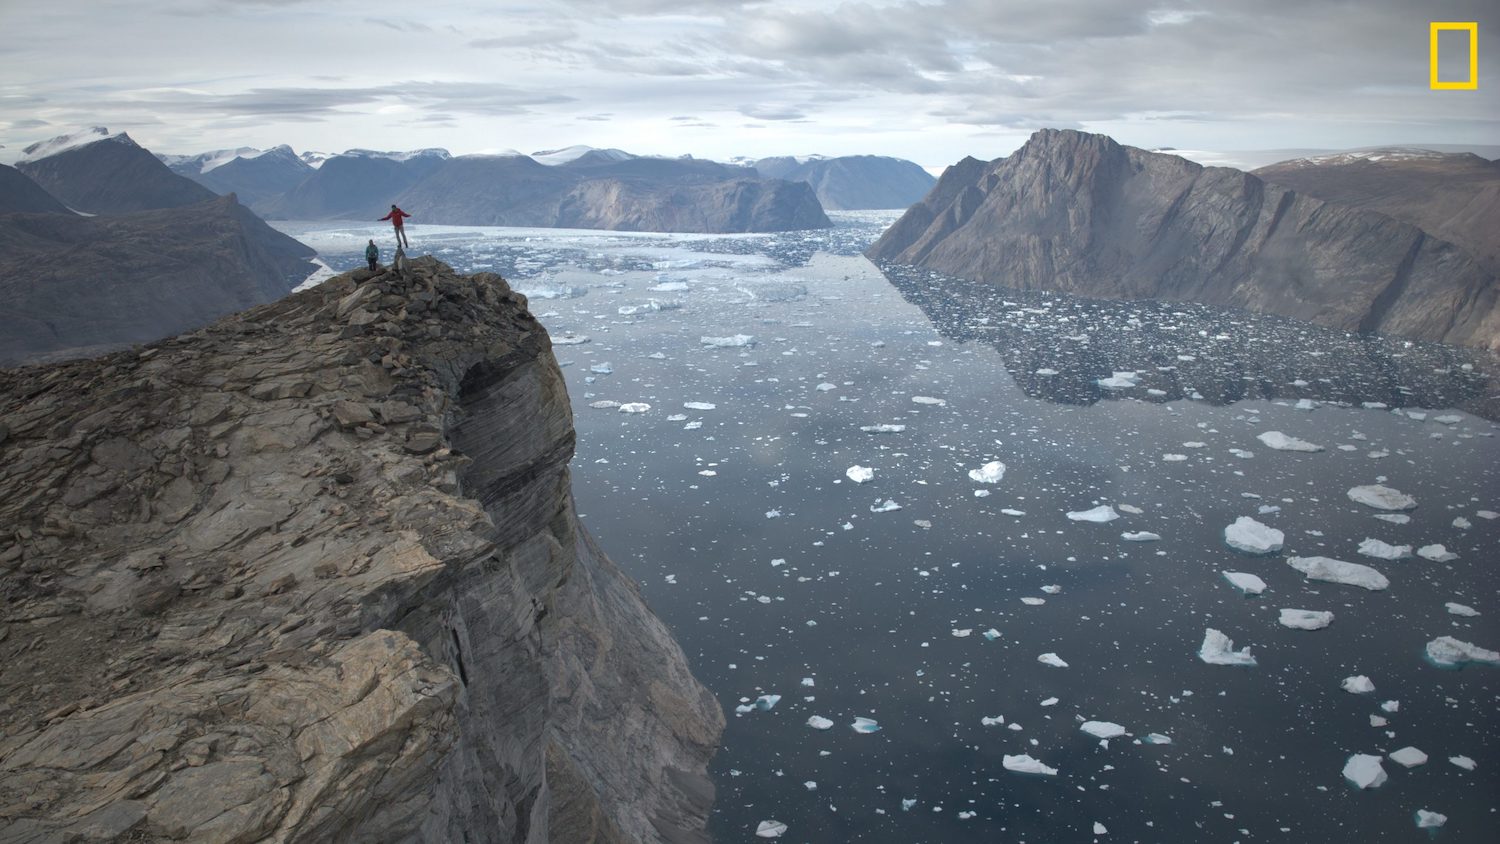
(1382,497)
(770,829)
(670,287)
(865,725)
(1024,764)
(1131,509)
(1282,442)
(996,721)
(604,404)
(1100,829)
(1140,536)
(732,341)
(773,514)
(1462,524)
(570,340)
(818,722)
(991,634)
(1448,419)
(1305,404)
(1011,511)
(1052,659)
(1033,602)
(672,579)
(887,506)
(1101,514)
(1156,738)
(860,474)
(981,493)
(634,407)
(1306,619)
(962,632)
(929,400)
(1429,820)
(1338,571)
(1364,771)
(1248,536)
(1384,550)
(1241,453)
(809,682)
(1436,553)
(765,703)
(907,803)
(1394,518)
(699,405)
(1245,582)
(1460,609)
(1102,729)
(1463,762)
(826,387)
(882,429)
(1218,649)
(1120,380)
(1448,652)
(1046,373)
(810,785)
(602,369)
(677,417)
(1487,514)
(1173,458)
(989,473)
(1359,684)
(1408,757)
(693,425)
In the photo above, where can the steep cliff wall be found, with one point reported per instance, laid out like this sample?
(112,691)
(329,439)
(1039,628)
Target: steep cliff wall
(1081,214)
(313,573)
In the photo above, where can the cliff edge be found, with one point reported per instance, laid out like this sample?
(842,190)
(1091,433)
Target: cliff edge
(313,573)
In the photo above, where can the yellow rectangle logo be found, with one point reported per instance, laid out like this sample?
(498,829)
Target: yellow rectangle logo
(1470,84)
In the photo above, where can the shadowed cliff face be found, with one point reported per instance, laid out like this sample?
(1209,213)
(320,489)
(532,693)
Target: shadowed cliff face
(313,573)
(1081,214)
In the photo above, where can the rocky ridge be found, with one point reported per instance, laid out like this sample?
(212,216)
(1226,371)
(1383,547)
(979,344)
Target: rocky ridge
(313,573)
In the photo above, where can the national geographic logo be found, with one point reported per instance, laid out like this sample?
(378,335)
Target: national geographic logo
(1469,84)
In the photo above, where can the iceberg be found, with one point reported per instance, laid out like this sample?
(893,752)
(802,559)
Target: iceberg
(1359,684)
(765,703)
(1461,609)
(992,722)
(770,829)
(989,473)
(818,722)
(1218,649)
(1408,757)
(865,725)
(1430,820)
(1245,582)
(1140,536)
(1338,571)
(1024,764)
(1364,771)
(1251,537)
(1436,553)
(991,634)
(860,474)
(1102,729)
(1101,514)
(1052,659)
(1306,619)
(1382,497)
(1448,652)
(1384,550)
(1282,442)
(634,407)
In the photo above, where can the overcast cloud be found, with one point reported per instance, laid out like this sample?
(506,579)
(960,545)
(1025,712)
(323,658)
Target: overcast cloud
(929,80)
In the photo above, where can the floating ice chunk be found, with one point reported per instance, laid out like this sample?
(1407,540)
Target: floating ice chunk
(992,722)
(906,804)
(1377,721)
(699,405)
(865,725)
(1359,684)
(1174,458)
(981,493)
(929,400)
(1102,729)
(962,633)
(1140,536)
(1408,757)
(1338,571)
(602,368)
(1487,514)
(1101,514)
(1448,652)
(1218,649)
(1448,419)
(765,703)
(1120,380)
(809,682)
(770,829)
(1384,550)
(1462,524)
(732,341)
(1251,537)
(1010,511)
(669,287)
(1391,706)
(1306,404)
(1245,582)
(989,473)
(1051,701)
(1282,442)
(1241,453)
(604,404)
(1024,764)
(1052,659)
(1306,619)
(1156,738)
(888,506)
(1460,609)
(818,722)
(1394,518)
(810,785)
(1382,497)
(1436,553)
(1364,771)
(1430,820)
(882,429)
(677,417)
(1463,762)
(773,514)
(693,425)
(634,407)
(570,340)
(1033,602)
(860,474)
(1099,829)
(991,634)
(1046,373)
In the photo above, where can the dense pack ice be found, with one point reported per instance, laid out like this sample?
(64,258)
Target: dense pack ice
(1408,757)
(1338,571)
(1382,497)
(1282,442)
(989,473)
(1102,513)
(1306,619)
(1251,537)
(1024,764)
(1245,582)
(1449,652)
(1384,550)
(1364,771)
(1218,649)
(1359,684)
(860,474)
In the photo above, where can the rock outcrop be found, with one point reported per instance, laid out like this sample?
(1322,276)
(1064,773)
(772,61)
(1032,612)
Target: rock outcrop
(1079,213)
(852,182)
(19,194)
(75,286)
(313,573)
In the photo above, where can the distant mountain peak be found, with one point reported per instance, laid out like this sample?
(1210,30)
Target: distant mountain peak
(74,140)
(554,157)
(407,155)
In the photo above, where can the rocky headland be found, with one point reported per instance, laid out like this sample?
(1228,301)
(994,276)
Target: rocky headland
(313,573)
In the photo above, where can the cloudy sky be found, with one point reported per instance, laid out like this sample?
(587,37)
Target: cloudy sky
(928,80)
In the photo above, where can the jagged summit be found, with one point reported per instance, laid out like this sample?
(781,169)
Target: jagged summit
(64,143)
(554,157)
(408,155)
(313,573)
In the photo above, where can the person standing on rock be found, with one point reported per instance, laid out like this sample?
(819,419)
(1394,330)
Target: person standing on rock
(372,255)
(396,216)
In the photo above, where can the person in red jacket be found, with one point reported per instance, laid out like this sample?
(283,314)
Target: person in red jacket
(396,216)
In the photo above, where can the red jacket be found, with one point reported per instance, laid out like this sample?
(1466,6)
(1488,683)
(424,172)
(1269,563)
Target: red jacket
(396,216)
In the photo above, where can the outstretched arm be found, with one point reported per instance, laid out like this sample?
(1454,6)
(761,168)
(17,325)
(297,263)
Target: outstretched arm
(386,217)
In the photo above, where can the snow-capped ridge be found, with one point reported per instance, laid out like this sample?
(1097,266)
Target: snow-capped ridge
(554,157)
(74,140)
(407,155)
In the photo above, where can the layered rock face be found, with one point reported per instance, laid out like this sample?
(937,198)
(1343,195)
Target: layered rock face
(851,182)
(1081,214)
(313,573)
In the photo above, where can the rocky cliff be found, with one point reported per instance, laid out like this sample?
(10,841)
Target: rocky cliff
(853,181)
(19,194)
(1079,213)
(313,573)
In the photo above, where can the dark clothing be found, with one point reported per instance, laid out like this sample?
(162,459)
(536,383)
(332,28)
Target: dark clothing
(372,255)
(373,263)
(396,217)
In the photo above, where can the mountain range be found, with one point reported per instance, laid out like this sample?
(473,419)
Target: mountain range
(853,182)
(1082,214)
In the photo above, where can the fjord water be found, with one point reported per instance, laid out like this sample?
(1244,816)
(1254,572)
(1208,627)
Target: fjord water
(771,564)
